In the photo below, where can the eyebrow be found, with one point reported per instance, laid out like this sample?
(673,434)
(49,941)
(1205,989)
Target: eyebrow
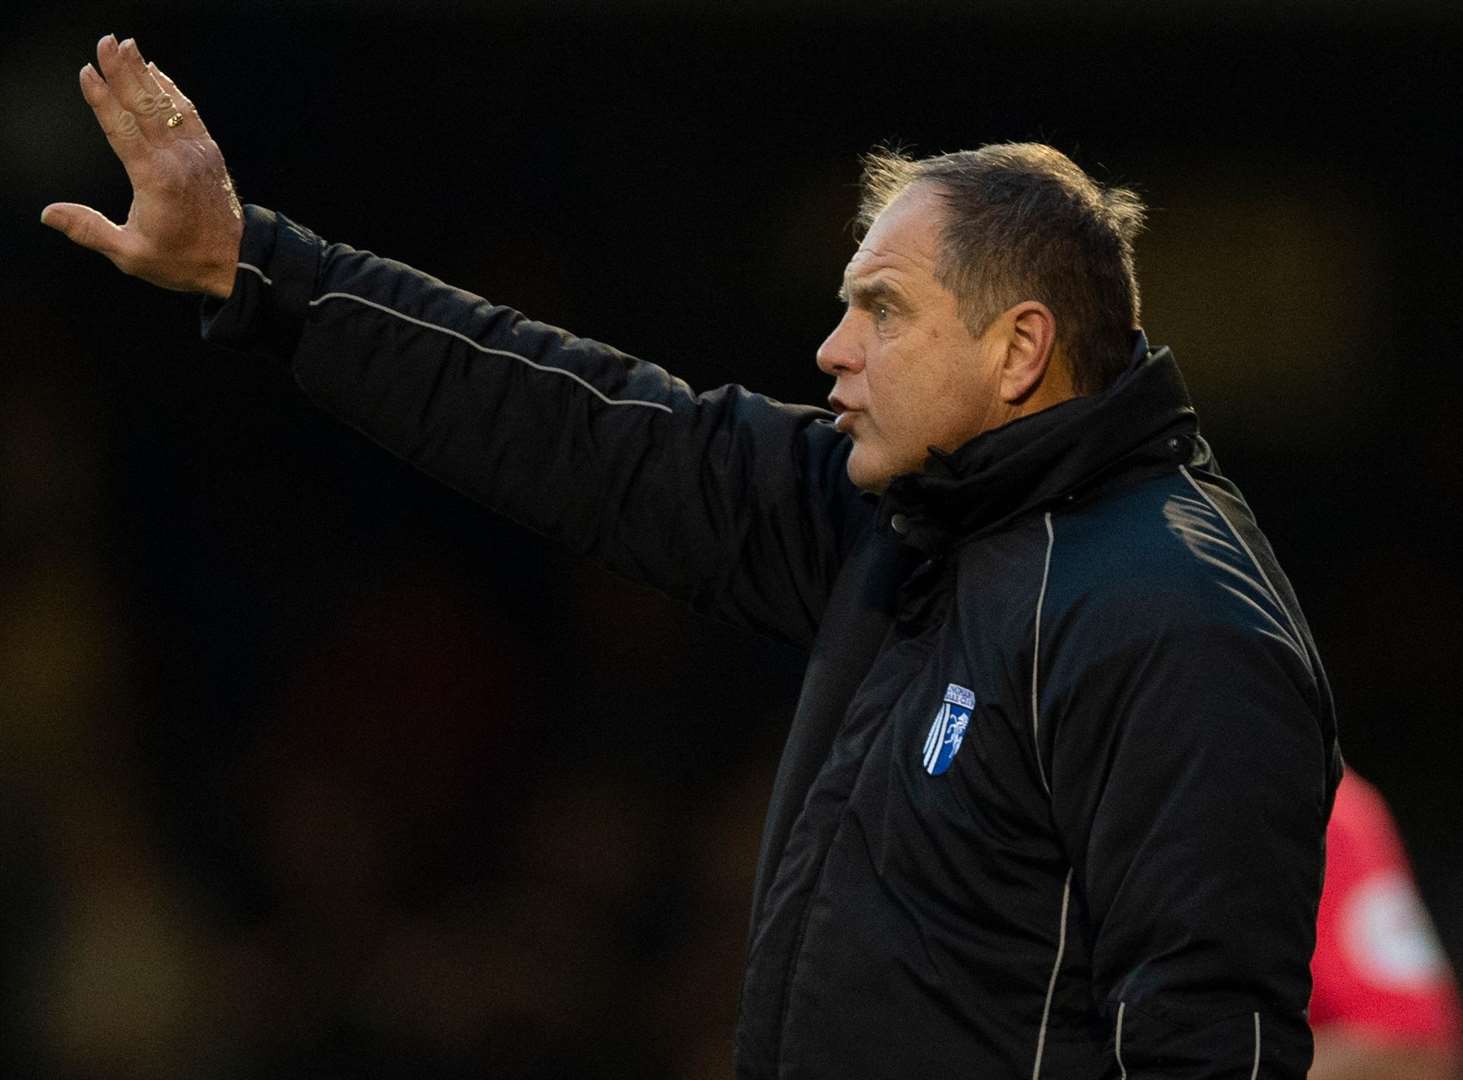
(866,292)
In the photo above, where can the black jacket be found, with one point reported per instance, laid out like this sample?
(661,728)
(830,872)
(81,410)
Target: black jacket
(1054,798)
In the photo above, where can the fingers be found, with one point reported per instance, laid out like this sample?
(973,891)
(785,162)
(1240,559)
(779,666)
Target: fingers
(191,123)
(120,126)
(183,229)
(135,90)
(86,227)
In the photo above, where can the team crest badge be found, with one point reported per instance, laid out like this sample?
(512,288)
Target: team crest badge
(948,730)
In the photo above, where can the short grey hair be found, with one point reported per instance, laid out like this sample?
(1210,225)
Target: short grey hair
(1024,222)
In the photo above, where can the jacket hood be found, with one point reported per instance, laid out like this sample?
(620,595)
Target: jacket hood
(1144,419)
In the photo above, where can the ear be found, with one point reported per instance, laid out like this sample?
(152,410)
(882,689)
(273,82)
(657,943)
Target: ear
(1030,342)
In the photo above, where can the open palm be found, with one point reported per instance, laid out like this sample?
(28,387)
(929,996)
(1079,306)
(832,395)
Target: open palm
(183,228)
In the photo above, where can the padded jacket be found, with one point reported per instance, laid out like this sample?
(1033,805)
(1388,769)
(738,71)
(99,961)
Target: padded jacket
(1054,797)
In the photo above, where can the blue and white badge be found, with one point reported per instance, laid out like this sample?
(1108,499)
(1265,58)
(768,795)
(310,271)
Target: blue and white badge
(948,730)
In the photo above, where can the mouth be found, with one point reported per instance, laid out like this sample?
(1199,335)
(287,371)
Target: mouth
(845,421)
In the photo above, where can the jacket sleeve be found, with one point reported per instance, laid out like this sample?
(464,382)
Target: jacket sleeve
(728,500)
(1189,785)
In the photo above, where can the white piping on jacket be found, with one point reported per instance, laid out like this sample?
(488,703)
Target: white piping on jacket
(1051,986)
(255,270)
(1117,1046)
(488,351)
(1036,655)
(1255,1072)
(1300,642)
(468,341)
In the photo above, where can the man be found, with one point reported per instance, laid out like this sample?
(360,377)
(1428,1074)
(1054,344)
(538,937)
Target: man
(1053,800)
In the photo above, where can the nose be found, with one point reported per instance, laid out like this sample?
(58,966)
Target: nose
(840,352)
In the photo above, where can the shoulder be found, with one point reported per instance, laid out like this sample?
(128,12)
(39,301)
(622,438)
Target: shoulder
(1168,559)
(1155,546)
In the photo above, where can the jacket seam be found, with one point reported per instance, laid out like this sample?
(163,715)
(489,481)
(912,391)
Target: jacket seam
(1036,655)
(1117,1046)
(795,962)
(488,350)
(1244,545)
(255,270)
(797,950)
(1255,1070)
(1051,987)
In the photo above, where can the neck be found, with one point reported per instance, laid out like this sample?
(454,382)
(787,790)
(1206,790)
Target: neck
(1054,388)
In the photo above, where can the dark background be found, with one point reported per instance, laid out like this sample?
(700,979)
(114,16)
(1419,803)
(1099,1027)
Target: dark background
(308,767)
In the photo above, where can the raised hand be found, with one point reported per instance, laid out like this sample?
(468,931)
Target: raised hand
(183,228)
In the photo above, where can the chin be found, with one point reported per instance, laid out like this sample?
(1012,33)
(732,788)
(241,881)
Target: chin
(870,476)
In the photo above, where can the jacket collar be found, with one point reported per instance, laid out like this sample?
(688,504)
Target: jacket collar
(1144,419)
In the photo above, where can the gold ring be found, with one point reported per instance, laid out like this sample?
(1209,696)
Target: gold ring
(175,119)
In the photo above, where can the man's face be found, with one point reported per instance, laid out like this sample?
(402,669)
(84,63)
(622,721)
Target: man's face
(909,374)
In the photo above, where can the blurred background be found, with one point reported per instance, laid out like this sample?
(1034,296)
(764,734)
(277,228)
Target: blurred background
(311,768)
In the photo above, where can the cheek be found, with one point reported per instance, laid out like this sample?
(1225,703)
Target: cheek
(958,393)
(901,421)
(886,391)
(926,388)
(905,394)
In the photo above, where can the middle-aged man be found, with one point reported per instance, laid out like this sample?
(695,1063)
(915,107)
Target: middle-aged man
(1053,801)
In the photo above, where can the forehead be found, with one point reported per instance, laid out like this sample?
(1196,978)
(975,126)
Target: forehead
(904,238)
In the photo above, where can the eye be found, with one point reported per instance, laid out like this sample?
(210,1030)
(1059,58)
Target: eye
(881,313)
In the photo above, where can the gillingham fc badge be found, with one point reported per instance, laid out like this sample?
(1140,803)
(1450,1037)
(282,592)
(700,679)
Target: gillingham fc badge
(948,730)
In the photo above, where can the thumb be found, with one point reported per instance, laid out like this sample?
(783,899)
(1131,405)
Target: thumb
(85,226)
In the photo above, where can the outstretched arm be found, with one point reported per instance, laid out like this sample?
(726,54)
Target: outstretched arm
(728,500)
(183,229)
